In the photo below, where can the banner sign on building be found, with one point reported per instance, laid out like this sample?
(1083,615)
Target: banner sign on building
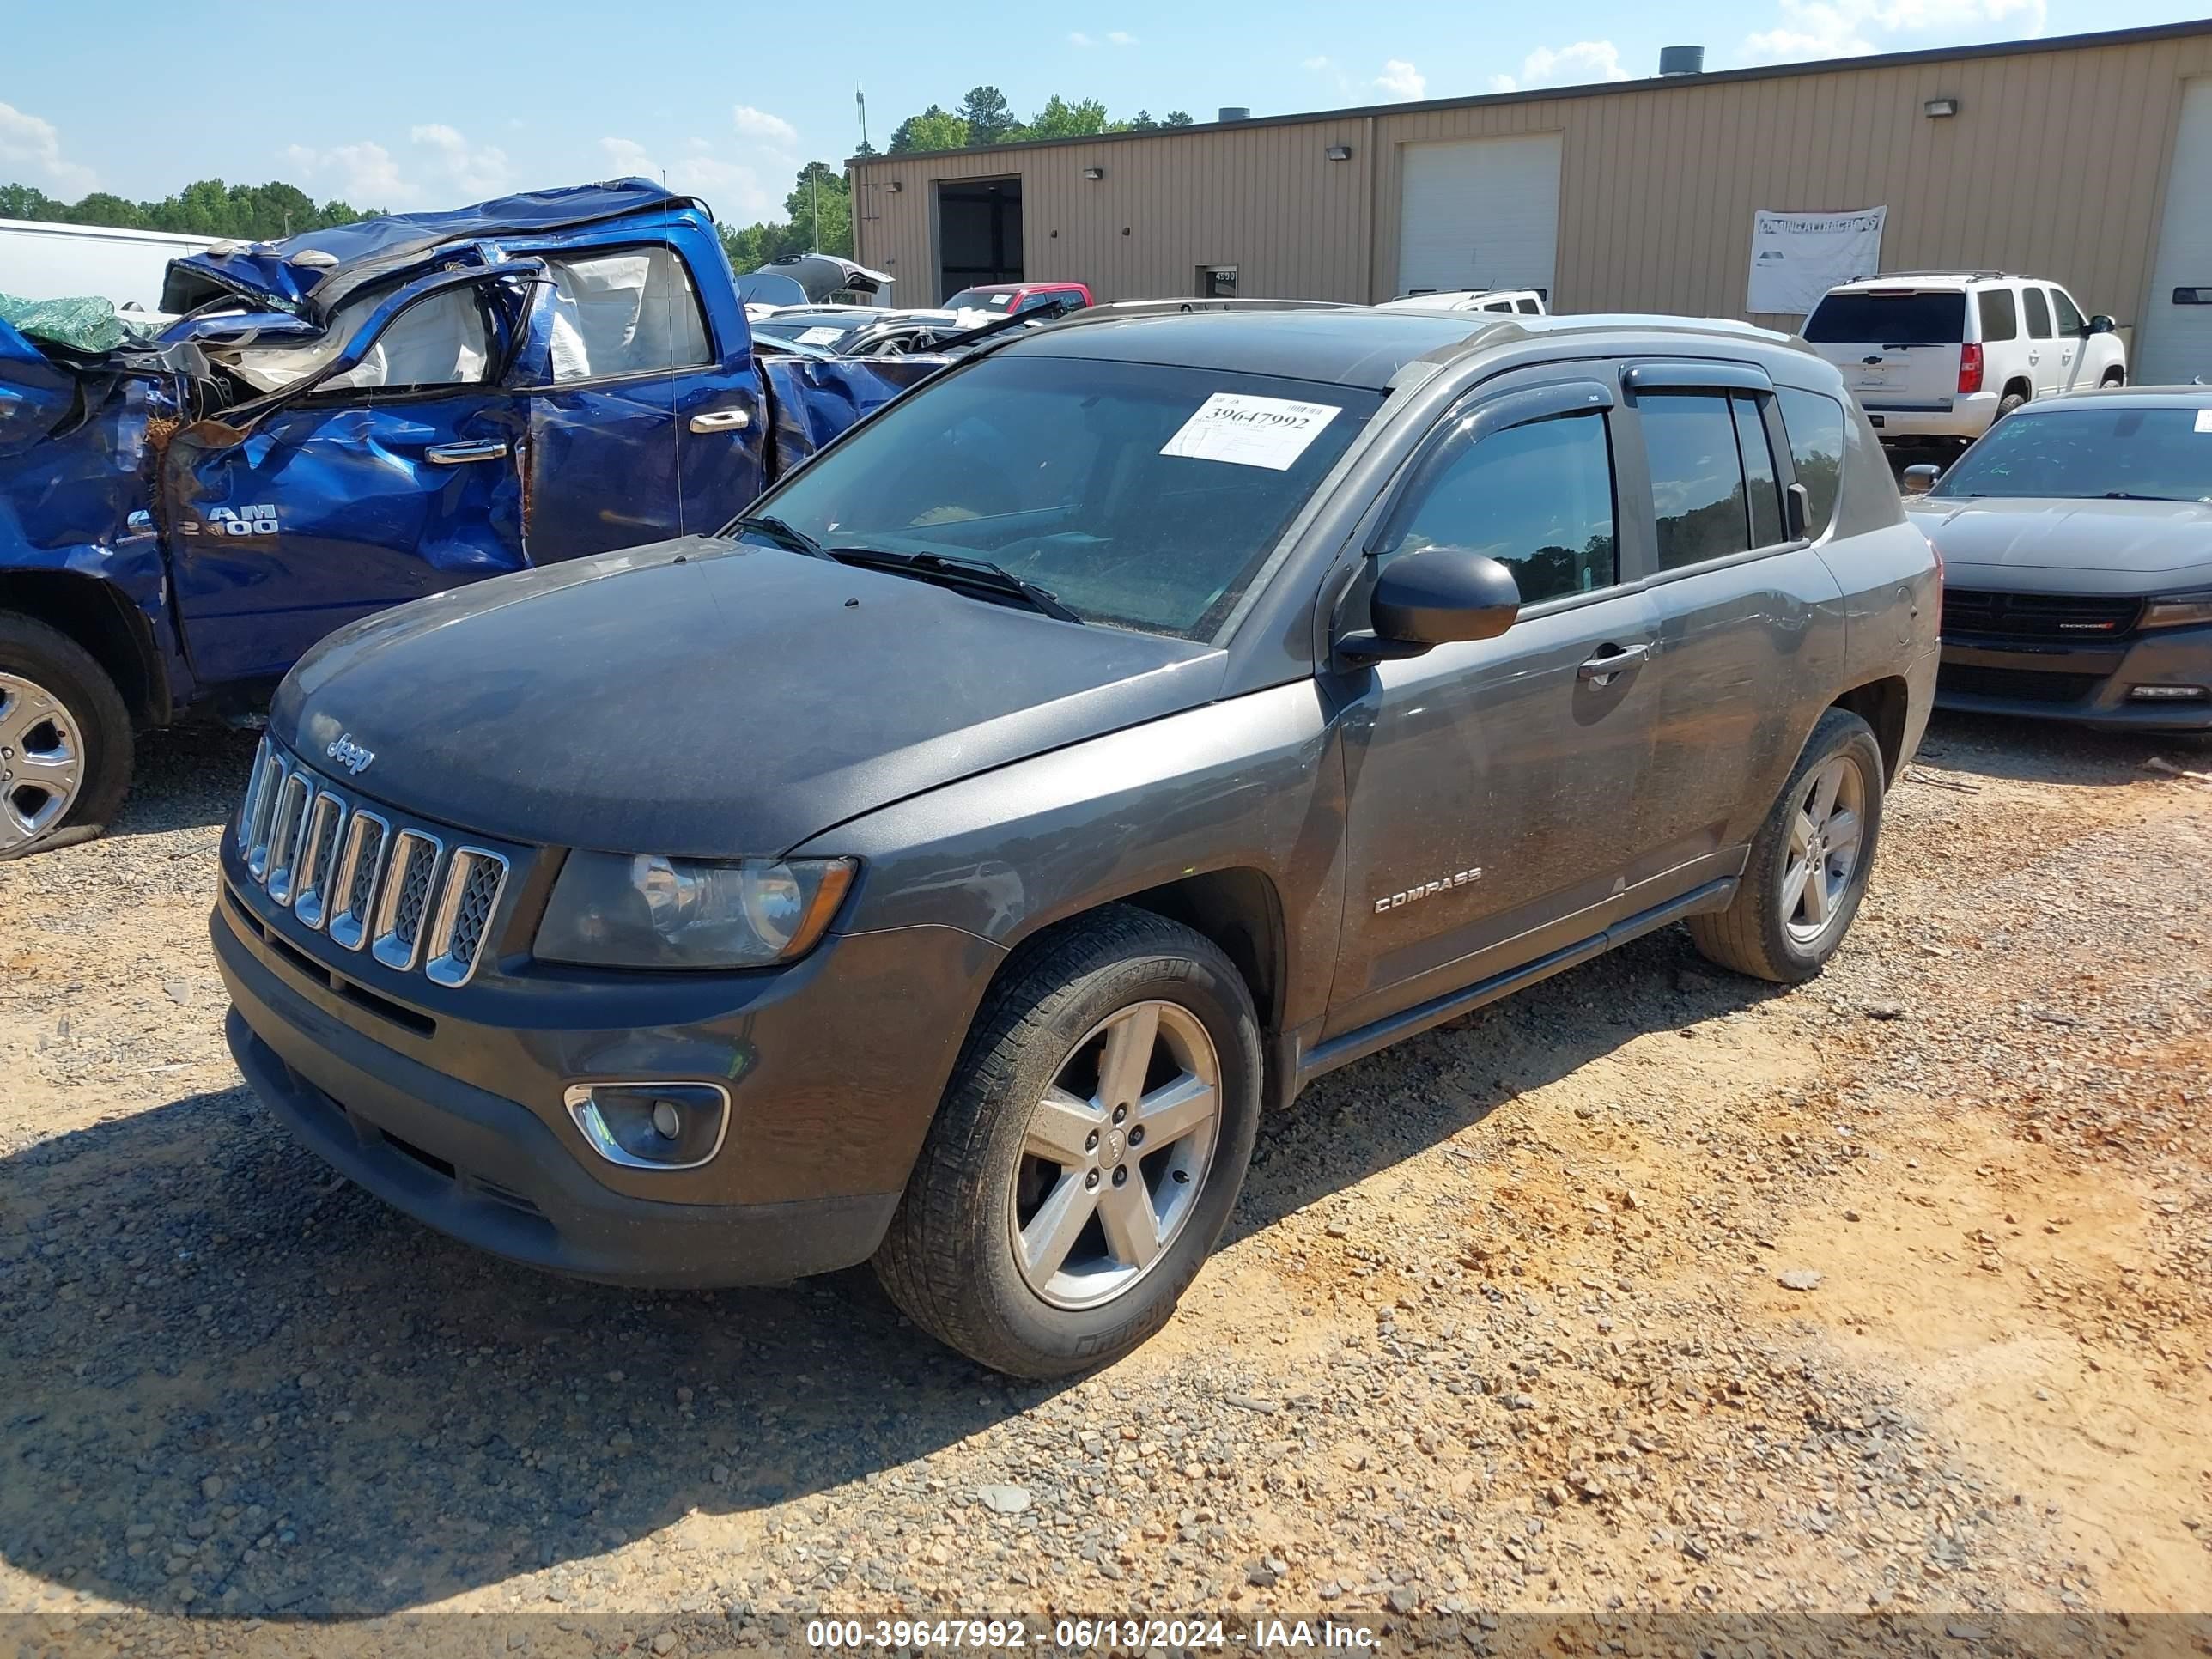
(1795,258)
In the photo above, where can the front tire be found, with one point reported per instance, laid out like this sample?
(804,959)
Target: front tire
(1809,861)
(65,739)
(1088,1151)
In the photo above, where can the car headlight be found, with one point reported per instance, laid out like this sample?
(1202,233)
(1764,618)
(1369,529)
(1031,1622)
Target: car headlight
(2178,611)
(615,910)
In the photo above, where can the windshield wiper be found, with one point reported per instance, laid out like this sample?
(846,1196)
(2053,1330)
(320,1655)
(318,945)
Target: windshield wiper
(785,536)
(2130,495)
(956,573)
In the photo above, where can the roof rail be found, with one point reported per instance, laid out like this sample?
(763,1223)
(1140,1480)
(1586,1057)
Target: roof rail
(1971,275)
(1112,309)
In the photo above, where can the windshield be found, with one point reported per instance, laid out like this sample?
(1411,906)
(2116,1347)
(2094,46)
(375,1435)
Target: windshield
(1935,317)
(982,298)
(1143,496)
(2086,454)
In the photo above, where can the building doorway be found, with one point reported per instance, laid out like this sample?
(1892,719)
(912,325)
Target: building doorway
(979,233)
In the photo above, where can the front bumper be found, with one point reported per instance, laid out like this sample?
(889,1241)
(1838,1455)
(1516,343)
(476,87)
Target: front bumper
(447,1104)
(2085,683)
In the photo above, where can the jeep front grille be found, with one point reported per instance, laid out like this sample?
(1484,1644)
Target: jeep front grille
(346,869)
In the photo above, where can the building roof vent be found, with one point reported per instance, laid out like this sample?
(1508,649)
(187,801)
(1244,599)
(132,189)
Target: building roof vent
(1235,112)
(1681,60)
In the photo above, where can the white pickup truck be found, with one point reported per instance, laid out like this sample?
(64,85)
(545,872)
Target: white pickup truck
(39,261)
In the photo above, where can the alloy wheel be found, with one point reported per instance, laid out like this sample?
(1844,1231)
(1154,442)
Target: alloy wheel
(41,761)
(1826,835)
(1115,1154)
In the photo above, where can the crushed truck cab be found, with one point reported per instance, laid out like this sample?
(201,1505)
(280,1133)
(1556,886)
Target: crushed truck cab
(321,427)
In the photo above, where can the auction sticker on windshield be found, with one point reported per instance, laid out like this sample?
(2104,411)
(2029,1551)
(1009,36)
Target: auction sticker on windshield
(1249,431)
(2204,420)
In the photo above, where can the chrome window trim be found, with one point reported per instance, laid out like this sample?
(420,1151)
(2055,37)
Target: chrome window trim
(386,945)
(311,896)
(444,968)
(347,930)
(286,826)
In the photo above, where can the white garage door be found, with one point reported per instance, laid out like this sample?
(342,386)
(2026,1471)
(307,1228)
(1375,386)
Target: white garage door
(1484,213)
(2174,343)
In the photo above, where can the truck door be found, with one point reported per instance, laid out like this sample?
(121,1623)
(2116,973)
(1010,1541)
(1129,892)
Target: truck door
(389,474)
(646,414)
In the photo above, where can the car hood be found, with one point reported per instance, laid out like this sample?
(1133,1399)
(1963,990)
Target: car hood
(2070,546)
(704,698)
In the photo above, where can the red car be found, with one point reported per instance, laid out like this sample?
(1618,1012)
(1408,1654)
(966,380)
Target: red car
(1005,299)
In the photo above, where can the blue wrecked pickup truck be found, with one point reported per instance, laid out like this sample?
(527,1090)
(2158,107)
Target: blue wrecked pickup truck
(319,427)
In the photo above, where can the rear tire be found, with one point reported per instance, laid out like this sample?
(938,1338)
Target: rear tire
(2009,403)
(2114,377)
(1017,1242)
(1781,926)
(65,739)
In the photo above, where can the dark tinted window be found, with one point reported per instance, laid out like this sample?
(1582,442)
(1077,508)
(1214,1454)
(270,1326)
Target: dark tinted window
(2039,315)
(1101,481)
(1530,307)
(2070,314)
(1538,498)
(1697,479)
(2160,454)
(2000,314)
(1877,319)
(1815,425)
(1765,490)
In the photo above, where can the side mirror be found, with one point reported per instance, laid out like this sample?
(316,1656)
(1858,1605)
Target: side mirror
(1919,480)
(2101,324)
(1439,596)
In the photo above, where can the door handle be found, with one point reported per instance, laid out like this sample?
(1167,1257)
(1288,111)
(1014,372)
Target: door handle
(722,420)
(480,449)
(1605,666)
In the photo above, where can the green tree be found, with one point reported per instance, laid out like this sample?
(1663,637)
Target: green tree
(1061,119)
(990,118)
(933,129)
(1176,117)
(1144,122)
(823,190)
(207,207)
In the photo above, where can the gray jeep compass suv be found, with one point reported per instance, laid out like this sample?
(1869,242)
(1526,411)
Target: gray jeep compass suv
(948,864)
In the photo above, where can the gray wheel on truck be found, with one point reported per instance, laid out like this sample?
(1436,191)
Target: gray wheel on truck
(1088,1151)
(65,739)
(1809,861)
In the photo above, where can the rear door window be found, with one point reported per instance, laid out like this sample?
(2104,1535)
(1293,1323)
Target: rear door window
(1815,426)
(1762,486)
(1537,498)
(1696,477)
(1530,307)
(2039,315)
(631,311)
(2000,314)
(1884,317)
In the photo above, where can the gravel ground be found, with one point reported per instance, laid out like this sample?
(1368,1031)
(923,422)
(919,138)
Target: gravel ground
(1651,1289)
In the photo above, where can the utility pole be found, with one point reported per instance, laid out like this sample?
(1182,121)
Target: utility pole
(861,99)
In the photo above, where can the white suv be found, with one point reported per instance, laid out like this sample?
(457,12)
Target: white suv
(1942,354)
(1528,302)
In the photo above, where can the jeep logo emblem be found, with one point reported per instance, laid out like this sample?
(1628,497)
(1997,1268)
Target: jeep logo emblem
(350,755)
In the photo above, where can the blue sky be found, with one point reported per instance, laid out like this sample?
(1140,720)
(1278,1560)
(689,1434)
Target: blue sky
(406,105)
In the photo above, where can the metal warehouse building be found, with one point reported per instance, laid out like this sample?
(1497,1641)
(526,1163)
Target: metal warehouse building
(2085,158)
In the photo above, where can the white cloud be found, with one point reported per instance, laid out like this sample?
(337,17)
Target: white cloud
(361,173)
(1318,63)
(731,188)
(475,171)
(1584,62)
(26,140)
(1079,38)
(1399,79)
(1120,37)
(1846,28)
(762,128)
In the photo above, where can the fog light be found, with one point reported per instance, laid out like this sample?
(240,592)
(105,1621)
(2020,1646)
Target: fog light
(651,1126)
(2166,693)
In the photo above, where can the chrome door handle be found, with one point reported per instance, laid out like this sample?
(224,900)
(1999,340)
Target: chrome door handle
(722,420)
(1614,662)
(480,449)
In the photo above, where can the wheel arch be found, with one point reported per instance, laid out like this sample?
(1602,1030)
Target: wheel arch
(100,617)
(1883,704)
(2020,384)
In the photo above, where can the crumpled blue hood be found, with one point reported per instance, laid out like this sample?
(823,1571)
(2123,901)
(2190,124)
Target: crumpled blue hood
(273,273)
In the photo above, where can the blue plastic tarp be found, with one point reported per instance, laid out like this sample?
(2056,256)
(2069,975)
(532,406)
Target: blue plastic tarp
(273,272)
